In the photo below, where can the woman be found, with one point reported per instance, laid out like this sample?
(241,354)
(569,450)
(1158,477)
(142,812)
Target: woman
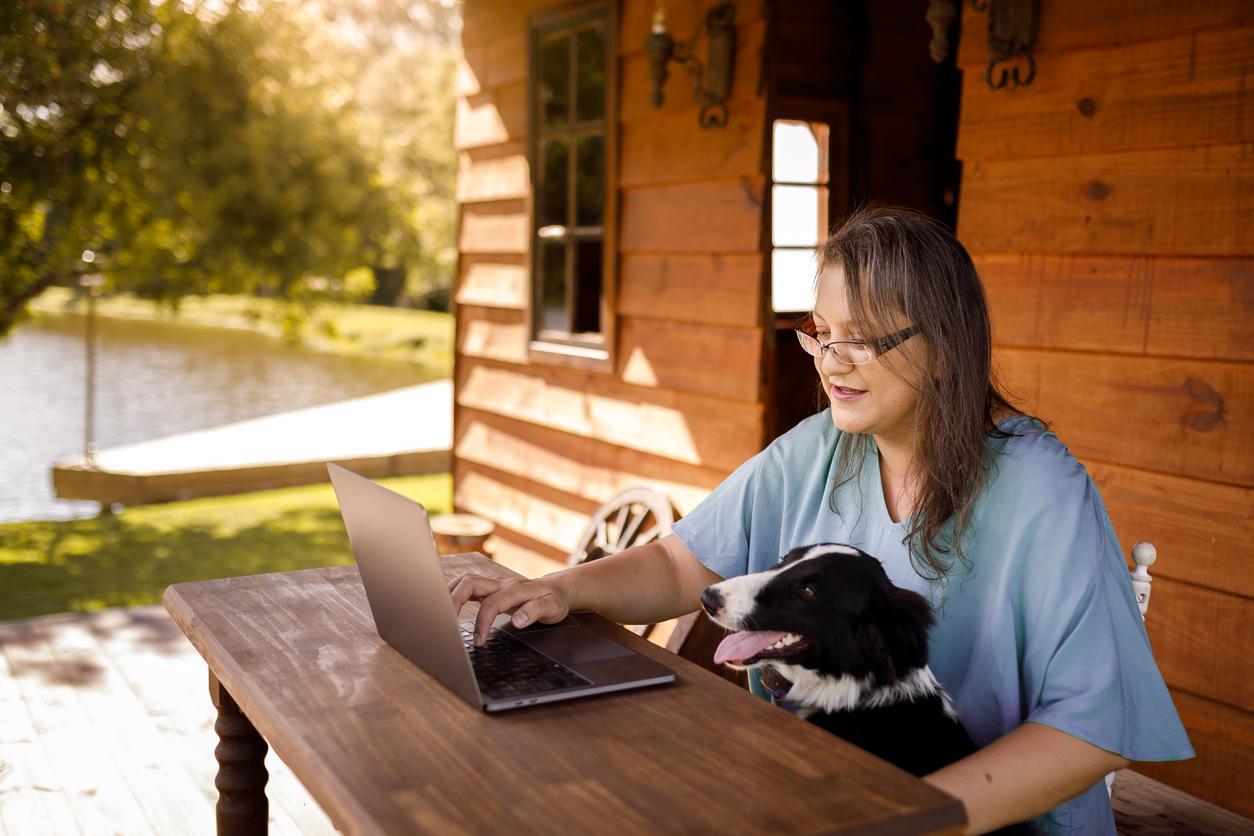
(921,462)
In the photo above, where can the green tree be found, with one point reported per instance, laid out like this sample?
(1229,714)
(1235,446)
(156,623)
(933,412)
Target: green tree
(394,63)
(175,151)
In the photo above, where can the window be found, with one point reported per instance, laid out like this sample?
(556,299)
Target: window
(799,200)
(571,98)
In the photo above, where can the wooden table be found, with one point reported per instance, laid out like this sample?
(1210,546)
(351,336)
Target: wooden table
(386,749)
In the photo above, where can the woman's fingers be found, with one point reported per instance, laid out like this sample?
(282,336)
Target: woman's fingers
(472,587)
(530,601)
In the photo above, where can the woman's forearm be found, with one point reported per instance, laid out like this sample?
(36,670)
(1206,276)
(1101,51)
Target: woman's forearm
(1023,774)
(641,585)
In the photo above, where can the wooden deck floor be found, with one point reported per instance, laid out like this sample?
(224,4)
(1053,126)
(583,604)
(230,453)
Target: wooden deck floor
(106,727)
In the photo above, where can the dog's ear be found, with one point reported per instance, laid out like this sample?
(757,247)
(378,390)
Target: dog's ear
(896,638)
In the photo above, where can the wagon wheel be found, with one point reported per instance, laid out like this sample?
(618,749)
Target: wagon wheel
(632,518)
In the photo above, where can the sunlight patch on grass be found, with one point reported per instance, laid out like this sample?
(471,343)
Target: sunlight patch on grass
(129,559)
(370,330)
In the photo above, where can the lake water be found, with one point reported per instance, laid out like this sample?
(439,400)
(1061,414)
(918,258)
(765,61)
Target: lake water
(152,379)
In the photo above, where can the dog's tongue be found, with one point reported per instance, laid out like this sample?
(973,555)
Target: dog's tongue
(741,646)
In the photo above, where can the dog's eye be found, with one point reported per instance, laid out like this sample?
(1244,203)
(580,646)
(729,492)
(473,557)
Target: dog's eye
(808,591)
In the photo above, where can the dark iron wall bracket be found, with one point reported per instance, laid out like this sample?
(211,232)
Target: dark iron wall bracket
(712,81)
(1012,26)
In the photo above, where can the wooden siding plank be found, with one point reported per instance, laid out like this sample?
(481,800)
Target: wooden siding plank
(729,211)
(728,361)
(494,228)
(520,505)
(688,428)
(490,64)
(523,555)
(499,172)
(1180,201)
(1202,530)
(496,115)
(1189,90)
(491,20)
(1175,307)
(1190,416)
(1201,639)
(575,465)
(1223,738)
(492,333)
(713,289)
(497,281)
(637,87)
(674,147)
(1078,24)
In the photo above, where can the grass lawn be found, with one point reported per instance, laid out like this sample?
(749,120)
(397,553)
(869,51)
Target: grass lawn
(130,558)
(393,333)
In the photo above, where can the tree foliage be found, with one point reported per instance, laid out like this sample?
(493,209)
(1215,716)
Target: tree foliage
(188,147)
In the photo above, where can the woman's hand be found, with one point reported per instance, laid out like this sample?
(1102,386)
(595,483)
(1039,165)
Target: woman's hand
(544,599)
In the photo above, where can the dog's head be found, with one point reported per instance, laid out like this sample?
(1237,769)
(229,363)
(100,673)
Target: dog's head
(827,608)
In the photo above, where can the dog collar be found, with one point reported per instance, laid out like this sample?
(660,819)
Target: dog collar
(778,686)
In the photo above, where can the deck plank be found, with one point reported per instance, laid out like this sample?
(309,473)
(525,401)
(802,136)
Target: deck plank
(75,748)
(31,801)
(114,731)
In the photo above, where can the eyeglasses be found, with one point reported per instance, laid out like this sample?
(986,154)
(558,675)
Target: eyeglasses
(855,352)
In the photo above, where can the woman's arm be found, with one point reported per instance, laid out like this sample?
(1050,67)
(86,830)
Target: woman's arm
(640,585)
(1023,774)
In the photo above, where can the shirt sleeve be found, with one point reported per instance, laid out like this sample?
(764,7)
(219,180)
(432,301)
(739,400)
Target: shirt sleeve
(1087,667)
(717,530)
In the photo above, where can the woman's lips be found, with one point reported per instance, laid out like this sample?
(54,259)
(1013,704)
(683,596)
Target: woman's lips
(843,394)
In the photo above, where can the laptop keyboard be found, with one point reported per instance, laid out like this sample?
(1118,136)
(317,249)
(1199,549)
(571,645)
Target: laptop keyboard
(505,667)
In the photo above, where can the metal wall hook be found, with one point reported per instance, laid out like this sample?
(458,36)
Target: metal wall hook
(712,80)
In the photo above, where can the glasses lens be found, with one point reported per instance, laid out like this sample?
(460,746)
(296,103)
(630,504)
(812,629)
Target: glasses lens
(857,353)
(809,343)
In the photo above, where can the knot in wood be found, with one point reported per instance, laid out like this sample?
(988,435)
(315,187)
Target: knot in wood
(1097,190)
(1087,106)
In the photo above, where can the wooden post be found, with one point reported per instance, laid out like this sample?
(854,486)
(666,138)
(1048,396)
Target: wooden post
(243,809)
(458,533)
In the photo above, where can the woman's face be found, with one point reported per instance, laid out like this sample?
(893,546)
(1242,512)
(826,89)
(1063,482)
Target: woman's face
(867,398)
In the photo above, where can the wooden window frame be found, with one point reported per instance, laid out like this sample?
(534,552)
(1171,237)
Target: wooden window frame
(598,354)
(835,115)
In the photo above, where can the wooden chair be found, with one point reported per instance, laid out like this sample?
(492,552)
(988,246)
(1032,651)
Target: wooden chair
(633,517)
(1143,555)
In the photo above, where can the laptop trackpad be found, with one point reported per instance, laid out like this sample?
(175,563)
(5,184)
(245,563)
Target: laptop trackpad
(573,645)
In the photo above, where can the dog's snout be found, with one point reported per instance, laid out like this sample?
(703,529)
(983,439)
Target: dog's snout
(712,600)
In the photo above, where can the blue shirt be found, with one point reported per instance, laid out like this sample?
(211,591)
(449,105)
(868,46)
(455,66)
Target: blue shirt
(1043,626)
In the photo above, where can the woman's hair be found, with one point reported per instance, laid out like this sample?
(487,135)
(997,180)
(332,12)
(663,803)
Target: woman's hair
(898,262)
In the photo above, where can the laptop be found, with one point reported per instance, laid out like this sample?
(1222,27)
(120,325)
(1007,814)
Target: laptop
(413,612)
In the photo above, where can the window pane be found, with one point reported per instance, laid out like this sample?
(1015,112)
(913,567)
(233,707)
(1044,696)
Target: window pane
(792,280)
(555,81)
(796,215)
(799,152)
(556,176)
(553,290)
(587,287)
(590,45)
(590,182)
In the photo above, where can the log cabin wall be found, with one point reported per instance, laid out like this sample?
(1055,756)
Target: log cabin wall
(1108,207)
(537,447)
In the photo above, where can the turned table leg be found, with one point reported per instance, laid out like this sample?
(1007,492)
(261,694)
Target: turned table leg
(242,806)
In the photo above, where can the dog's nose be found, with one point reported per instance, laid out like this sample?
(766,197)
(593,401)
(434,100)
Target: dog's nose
(712,600)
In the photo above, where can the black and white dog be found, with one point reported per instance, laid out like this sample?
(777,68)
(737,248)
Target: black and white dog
(854,648)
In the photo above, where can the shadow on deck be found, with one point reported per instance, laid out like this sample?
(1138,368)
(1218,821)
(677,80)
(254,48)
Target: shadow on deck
(106,726)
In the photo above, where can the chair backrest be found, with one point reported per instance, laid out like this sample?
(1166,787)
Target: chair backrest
(632,517)
(1143,555)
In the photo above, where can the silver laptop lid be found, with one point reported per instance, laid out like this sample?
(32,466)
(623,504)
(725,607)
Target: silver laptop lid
(400,569)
